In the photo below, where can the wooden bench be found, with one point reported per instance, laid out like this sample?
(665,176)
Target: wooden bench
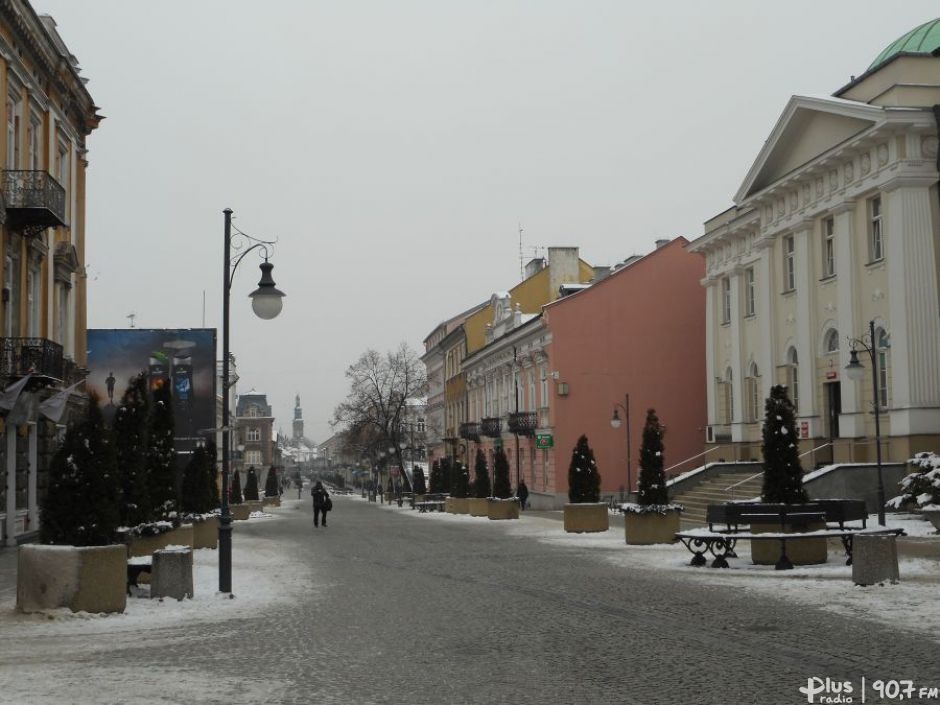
(835,511)
(721,543)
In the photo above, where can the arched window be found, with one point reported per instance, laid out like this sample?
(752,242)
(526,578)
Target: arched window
(793,378)
(831,341)
(752,392)
(882,346)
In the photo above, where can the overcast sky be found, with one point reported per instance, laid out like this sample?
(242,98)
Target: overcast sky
(394,148)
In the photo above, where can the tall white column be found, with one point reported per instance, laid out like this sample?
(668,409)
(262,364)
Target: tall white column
(737,366)
(766,351)
(914,325)
(852,419)
(711,320)
(805,325)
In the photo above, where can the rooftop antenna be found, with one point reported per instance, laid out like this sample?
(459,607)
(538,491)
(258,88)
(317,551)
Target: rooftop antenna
(131,316)
(521,256)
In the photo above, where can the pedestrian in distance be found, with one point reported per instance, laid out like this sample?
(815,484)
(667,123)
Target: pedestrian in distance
(321,503)
(522,492)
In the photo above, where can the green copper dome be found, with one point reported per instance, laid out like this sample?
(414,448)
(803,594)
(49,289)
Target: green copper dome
(920,40)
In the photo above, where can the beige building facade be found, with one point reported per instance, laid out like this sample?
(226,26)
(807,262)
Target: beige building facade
(836,225)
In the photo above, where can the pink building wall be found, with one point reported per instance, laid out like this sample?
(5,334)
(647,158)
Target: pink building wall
(639,331)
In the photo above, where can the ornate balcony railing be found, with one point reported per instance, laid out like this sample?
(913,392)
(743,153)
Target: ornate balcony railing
(492,427)
(37,356)
(523,423)
(33,199)
(470,431)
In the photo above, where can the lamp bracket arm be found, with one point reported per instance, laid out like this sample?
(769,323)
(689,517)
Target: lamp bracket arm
(242,246)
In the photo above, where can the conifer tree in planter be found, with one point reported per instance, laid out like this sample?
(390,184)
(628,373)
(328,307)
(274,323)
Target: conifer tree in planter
(161,457)
(80,506)
(251,485)
(199,497)
(783,484)
(420,487)
(458,502)
(481,486)
(129,434)
(584,513)
(446,476)
(236,488)
(436,480)
(652,519)
(502,505)
(271,485)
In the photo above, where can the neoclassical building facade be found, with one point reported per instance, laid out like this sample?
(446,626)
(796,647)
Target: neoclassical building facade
(835,226)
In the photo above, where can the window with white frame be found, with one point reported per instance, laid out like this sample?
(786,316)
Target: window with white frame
(34,142)
(253,457)
(543,387)
(750,292)
(14,116)
(727,396)
(876,245)
(33,300)
(752,385)
(882,347)
(829,247)
(793,378)
(253,435)
(789,264)
(831,341)
(531,396)
(725,300)
(63,164)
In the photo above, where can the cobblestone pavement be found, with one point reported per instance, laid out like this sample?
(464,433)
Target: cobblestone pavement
(410,610)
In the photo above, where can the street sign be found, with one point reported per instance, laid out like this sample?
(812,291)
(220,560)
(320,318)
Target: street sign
(544,440)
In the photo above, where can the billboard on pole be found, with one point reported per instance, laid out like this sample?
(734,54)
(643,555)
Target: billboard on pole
(183,358)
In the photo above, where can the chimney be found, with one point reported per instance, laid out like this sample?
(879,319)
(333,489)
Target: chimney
(601,273)
(534,267)
(565,268)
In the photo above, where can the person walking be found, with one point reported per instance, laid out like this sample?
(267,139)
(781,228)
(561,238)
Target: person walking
(321,503)
(522,492)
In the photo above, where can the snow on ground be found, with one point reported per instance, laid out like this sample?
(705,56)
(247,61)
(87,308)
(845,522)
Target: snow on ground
(910,605)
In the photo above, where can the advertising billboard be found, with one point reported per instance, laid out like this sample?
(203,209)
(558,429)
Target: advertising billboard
(184,359)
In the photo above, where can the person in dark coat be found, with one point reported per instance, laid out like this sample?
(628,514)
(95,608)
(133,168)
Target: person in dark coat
(522,492)
(320,501)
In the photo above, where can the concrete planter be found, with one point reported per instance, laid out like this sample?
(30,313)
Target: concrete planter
(457,505)
(84,579)
(240,512)
(586,518)
(146,545)
(206,533)
(651,527)
(499,509)
(933,517)
(802,552)
(255,505)
(271,502)
(477,506)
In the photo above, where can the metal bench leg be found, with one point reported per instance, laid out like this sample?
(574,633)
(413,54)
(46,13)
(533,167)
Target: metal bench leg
(784,563)
(722,550)
(847,544)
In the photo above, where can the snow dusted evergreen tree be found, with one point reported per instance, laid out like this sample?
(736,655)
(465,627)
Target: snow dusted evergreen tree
(236,488)
(783,473)
(461,484)
(81,504)
(129,434)
(481,476)
(651,485)
(420,486)
(198,494)
(502,488)
(436,481)
(271,487)
(251,485)
(161,456)
(584,481)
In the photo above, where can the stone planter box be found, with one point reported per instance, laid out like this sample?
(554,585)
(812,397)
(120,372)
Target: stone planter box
(586,518)
(802,552)
(457,505)
(206,533)
(84,579)
(651,527)
(240,512)
(933,517)
(271,502)
(477,506)
(146,545)
(498,509)
(255,505)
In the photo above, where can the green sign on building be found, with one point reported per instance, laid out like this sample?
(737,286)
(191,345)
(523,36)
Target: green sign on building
(544,440)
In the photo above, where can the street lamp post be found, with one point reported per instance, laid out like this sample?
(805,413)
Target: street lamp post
(266,302)
(615,423)
(855,371)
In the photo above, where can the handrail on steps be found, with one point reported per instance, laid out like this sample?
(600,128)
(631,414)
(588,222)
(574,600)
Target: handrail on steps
(747,479)
(699,455)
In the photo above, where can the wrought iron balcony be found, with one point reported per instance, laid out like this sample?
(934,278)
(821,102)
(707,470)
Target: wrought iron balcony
(33,199)
(39,357)
(470,431)
(492,427)
(523,423)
